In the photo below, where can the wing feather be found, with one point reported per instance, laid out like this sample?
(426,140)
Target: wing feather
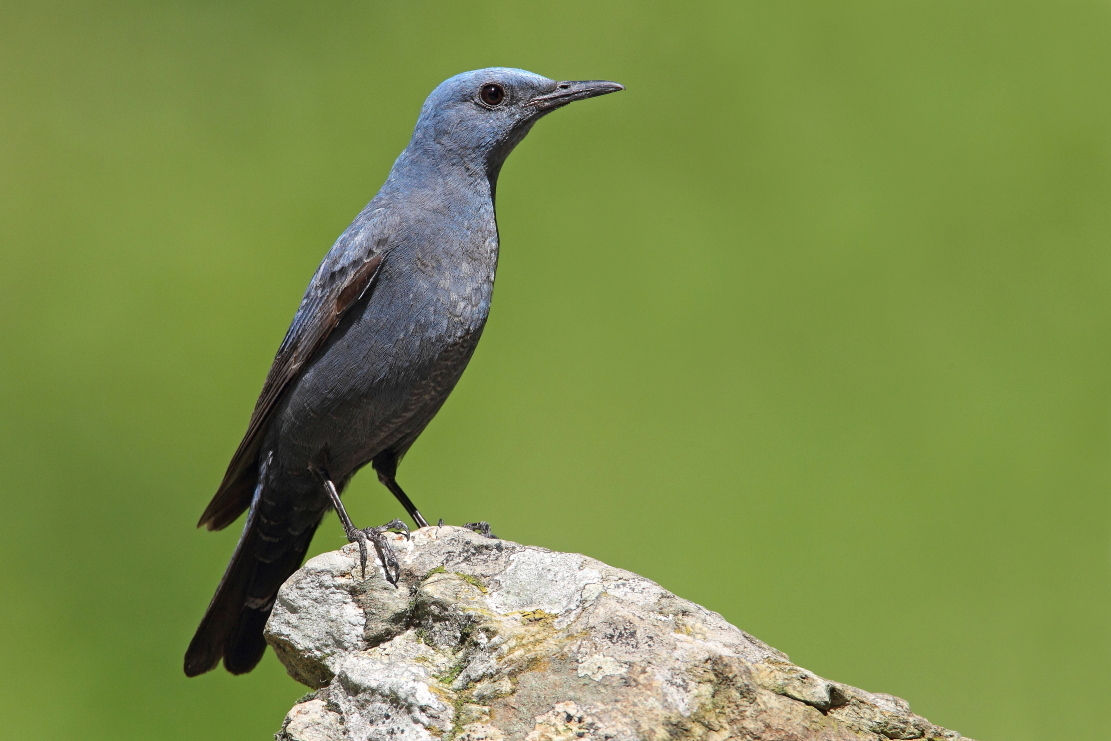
(343,278)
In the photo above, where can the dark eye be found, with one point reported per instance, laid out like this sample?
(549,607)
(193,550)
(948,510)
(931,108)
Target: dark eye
(492,95)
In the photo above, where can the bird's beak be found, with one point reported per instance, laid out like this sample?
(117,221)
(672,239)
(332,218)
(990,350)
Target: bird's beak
(570,91)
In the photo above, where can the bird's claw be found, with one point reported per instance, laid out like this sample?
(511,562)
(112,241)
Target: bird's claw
(376,535)
(482,528)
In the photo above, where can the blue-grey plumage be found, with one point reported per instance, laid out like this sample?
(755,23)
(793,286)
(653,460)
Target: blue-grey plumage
(385,330)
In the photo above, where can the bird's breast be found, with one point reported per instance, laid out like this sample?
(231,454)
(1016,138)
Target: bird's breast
(431,301)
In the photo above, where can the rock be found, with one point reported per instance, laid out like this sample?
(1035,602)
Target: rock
(488,640)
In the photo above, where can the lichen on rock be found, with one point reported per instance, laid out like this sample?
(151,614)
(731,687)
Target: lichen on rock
(489,640)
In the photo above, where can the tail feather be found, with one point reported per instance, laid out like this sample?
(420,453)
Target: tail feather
(233,496)
(232,626)
(246,645)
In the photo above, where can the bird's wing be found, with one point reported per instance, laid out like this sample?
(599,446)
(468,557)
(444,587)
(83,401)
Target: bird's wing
(344,276)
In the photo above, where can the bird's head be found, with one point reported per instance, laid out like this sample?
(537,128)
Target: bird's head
(476,118)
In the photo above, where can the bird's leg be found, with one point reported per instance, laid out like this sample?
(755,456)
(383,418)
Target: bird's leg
(386,476)
(386,467)
(376,535)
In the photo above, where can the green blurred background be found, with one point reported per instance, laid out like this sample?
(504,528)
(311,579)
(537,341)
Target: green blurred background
(811,325)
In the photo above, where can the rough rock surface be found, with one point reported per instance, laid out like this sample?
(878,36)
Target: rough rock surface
(484,640)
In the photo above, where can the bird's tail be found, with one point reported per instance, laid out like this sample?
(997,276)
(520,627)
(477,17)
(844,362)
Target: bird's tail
(232,626)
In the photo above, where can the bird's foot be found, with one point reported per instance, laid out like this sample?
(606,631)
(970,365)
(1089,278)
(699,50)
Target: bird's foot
(376,535)
(482,528)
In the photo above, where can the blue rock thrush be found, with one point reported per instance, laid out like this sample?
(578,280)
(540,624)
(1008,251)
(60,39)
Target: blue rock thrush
(385,330)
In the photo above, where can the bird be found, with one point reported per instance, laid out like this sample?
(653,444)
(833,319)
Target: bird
(384,331)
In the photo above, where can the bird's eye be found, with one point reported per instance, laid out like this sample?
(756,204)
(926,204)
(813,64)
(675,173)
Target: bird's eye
(492,95)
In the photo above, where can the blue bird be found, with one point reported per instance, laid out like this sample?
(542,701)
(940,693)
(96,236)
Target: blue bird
(384,331)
